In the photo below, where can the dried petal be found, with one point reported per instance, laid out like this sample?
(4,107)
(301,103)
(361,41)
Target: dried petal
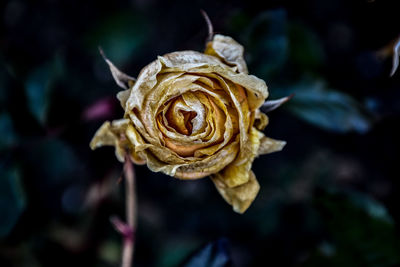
(240,197)
(228,50)
(123,97)
(269,145)
(261,120)
(113,134)
(192,115)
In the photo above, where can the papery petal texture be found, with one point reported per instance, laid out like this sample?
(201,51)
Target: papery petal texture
(192,115)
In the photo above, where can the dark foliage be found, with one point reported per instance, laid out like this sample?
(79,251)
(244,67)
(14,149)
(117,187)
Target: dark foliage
(330,198)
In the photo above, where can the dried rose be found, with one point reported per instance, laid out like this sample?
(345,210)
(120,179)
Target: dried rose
(192,115)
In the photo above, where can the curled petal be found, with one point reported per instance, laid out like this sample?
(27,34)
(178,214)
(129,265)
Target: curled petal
(114,134)
(123,97)
(261,120)
(195,62)
(192,115)
(234,175)
(228,50)
(199,168)
(187,60)
(145,83)
(240,197)
(237,173)
(269,145)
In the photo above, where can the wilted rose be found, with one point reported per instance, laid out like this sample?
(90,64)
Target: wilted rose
(192,115)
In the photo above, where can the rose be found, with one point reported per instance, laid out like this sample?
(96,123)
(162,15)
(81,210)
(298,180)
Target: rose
(192,115)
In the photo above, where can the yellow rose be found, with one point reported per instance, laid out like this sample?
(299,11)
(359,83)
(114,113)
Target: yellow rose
(192,115)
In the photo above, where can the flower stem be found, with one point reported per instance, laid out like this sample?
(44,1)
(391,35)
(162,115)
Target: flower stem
(128,229)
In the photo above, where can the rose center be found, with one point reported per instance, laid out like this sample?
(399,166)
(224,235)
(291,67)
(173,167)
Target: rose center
(181,116)
(188,116)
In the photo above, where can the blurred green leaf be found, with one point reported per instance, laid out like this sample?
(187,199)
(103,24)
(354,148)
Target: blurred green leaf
(38,87)
(267,40)
(175,251)
(238,21)
(12,199)
(120,36)
(266,218)
(54,162)
(214,254)
(8,136)
(371,206)
(110,252)
(326,108)
(306,51)
(356,237)
(272,41)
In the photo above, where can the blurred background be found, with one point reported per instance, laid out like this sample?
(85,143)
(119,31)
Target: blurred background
(330,198)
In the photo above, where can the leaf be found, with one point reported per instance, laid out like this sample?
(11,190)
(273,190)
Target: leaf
(59,171)
(38,88)
(372,207)
(12,199)
(306,50)
(356,238)
(8,137)
(120,35)
(214,254)
(326,108)
(267,40)
(54,161)
(175,251)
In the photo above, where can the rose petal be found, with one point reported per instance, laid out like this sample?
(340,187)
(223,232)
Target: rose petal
(260,120)
(146,81)
(228,50)
(237,173)
(123,97)
(269,145)
(191,115)
(240,197)
(113,134)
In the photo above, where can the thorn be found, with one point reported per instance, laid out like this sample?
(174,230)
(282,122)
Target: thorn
(209,25)
(121,227)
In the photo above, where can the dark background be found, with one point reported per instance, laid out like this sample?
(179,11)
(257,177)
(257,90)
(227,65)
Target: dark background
(330,198)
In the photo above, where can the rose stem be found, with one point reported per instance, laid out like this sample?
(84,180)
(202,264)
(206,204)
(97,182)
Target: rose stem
(131,212)
(128,229)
